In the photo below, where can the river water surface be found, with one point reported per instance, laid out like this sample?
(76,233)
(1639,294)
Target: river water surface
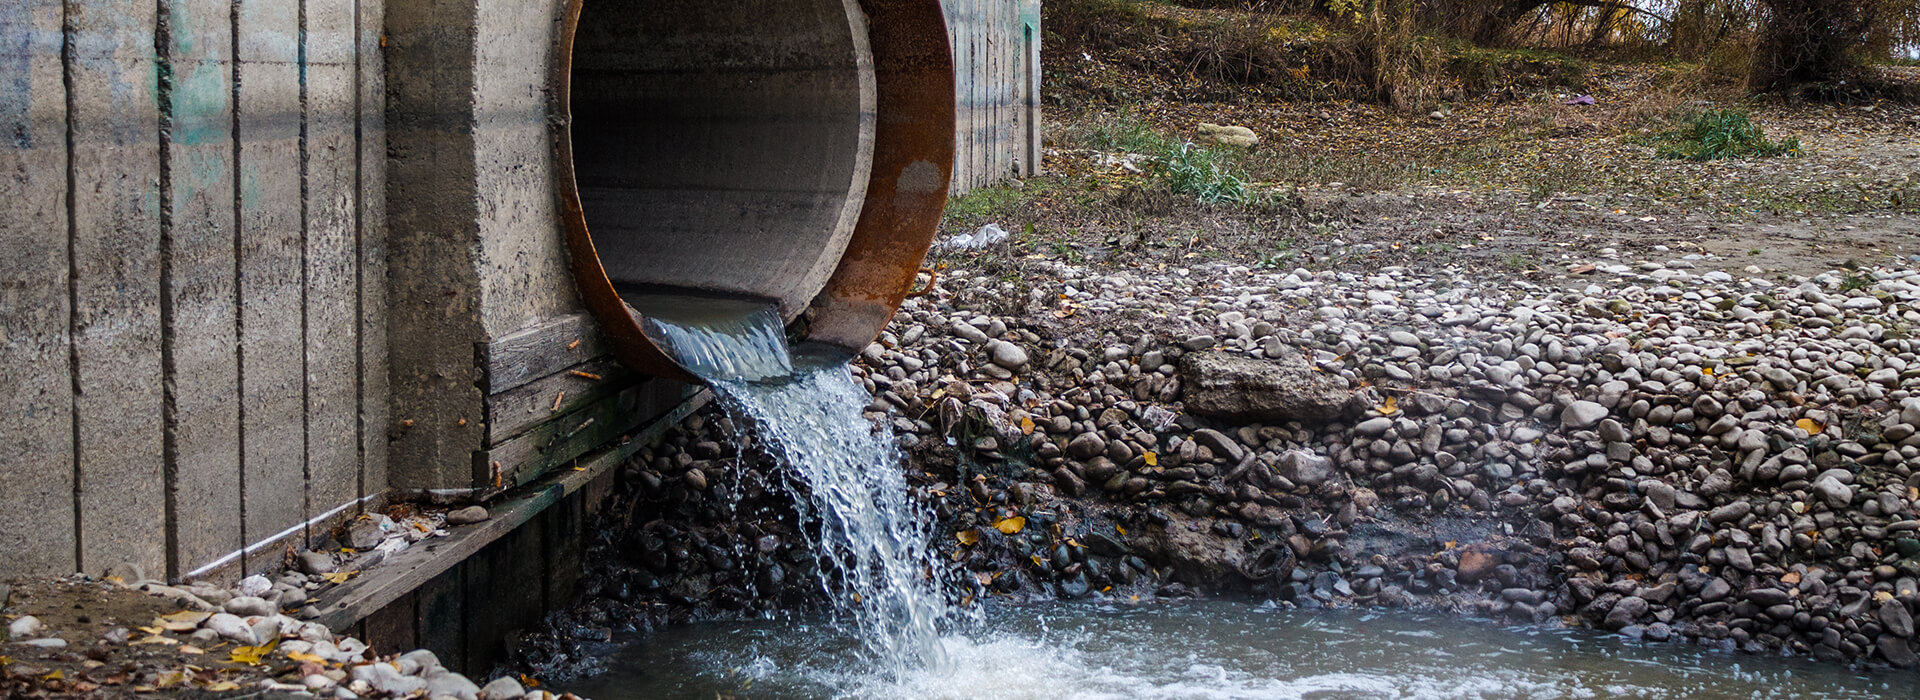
(1214,650)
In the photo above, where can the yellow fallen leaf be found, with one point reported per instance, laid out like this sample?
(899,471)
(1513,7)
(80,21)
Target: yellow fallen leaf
(529,681)
(223,687)
(1882,596)
(156,629)
(191,650)
(1009,526)
(338,576)
(1813,427)
(1119,529)
(1026,426)
(170,679)
(154,639)
(1706,371)
(56,675)
(1791,577)
(6,661)
(1389,406)
(183,621)
(252,655)
(304,656)
(1153,459)
(1037,561)
(967,537)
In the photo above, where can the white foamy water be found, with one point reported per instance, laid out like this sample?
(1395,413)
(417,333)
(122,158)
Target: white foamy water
(808,417)
(1213,650)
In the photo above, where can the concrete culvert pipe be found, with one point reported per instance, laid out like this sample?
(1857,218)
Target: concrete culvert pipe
(793,151)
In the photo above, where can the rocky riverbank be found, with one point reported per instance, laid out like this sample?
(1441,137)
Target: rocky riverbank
(1673,449)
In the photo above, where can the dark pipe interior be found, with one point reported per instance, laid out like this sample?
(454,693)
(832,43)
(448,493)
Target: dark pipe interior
(722,146)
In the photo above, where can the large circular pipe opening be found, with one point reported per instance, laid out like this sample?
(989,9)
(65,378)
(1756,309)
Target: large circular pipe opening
(722,146)
(793,151)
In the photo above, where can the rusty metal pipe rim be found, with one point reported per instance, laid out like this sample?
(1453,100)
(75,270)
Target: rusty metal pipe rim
(899,208)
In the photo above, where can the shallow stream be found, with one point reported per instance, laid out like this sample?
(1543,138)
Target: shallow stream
(1210,650)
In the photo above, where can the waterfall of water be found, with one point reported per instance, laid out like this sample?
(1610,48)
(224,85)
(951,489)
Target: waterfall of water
(807,415)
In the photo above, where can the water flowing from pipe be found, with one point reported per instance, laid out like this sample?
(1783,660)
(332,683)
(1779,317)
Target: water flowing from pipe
(806,413)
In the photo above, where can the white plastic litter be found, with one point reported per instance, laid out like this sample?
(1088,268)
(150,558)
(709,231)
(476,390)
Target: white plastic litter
(986,236)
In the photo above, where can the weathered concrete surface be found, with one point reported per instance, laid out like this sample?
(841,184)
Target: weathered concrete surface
(116,285)
(203,416)
(434,251)
(36,452)
(332,330)
(272,333)
(371,239)
(524,276)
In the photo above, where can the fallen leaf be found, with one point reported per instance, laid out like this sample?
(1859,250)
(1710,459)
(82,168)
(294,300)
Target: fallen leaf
(338,576)
(223,686)
(191,650)
(967,537)
(304,656)
(183,621)
(1153,459)
(56,675)
(170,679)
(154,639)
(252,655)
(1791,577)
(1037,561)
(529,681)
(1581,270)
(1813,427)
(1009,526)
(1882,596)
(1389,406)
(1121,530)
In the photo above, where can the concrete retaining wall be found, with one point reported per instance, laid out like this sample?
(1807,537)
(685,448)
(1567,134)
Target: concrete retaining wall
(191,304)
(203,356)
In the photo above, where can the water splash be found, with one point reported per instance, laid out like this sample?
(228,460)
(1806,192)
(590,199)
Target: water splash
(807,415)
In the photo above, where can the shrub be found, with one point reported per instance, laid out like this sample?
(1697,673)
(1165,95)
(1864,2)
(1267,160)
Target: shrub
(1722,133)
(1204,174)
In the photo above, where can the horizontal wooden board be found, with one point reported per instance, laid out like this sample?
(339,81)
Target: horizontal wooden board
(515,411)
(540,350)
(558,442)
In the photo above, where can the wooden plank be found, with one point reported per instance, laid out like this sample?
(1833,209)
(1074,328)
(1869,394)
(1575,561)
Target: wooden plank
(203,371)
(273,420)
(506,579)
(557,442)
(390,629)
(540,350)
(332,313)
(565,546)
(371,240)
(116,285)
(413,568)
(440,620)
(36,400)
(515,411)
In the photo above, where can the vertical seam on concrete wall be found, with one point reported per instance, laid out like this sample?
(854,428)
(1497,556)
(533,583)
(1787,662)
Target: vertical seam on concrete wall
(359,272)
(73,278)
(169,396)
(239,282)
(306,335)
